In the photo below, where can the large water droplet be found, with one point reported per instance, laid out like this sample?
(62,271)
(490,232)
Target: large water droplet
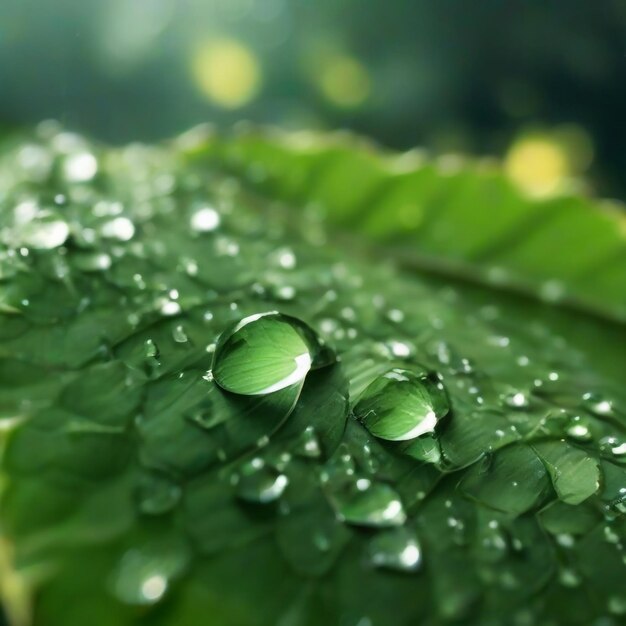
(266,352)
(366,503)
(395,549)
(401,405)
(258,482)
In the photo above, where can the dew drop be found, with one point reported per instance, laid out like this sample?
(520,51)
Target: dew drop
(308,445)
(205,220)
(259,483)
(157,495)
(401,405)
(617,605)
(365,503)
(92,262)
(45,232)
(179,335)
(569,577)
(516,400)
(143,575)
(151,350)
(396,549)
(168,307)
(80,167)
(597,404)
(578,430)
(619,449)
(120,228)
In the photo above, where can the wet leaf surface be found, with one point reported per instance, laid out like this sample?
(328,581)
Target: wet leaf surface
(171,452)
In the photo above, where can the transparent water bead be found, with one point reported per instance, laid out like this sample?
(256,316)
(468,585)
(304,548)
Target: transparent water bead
(260,483)
(401,405)
(396,549)
(598,404)
(143,575)
(205,220)
(92,262)
(267,352)
(80,167)
(157,494)
(44,232)
(308,445)
(366,503)
(179,335)
(119,228)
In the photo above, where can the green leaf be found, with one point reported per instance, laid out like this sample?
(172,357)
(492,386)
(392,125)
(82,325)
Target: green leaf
(464,220)
(161,462)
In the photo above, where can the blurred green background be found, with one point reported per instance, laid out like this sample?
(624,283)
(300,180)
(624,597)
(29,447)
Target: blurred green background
(540,83)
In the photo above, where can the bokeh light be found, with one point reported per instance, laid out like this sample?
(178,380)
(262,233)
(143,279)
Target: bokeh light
(538,164)
(227,72)
(344,81)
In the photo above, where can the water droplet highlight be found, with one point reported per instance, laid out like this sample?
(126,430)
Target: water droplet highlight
(395,549)
(366,503)
(257,482)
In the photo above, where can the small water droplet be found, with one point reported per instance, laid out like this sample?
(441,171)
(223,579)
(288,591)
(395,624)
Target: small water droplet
(597,404)
(364,503)
(617,605)
(179,334)
(610,535)
(260,483)
(80,167)
(92,262)
(286,259)
(143,575)
(396,549)
(308,445)
(401,405)
(619,449)
(565,540)
(516,400)
(151,349)
(120,228)
(569,577)
(205,220)
(157,494)
(168,307)
(45,232)
(578,430)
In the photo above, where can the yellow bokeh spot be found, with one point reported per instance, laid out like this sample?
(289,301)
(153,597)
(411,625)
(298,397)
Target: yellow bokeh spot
(344,81)
(227,72)
(538,165)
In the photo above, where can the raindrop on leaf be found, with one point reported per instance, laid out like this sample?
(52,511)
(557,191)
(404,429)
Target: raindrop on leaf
(401,405)
(267,352)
